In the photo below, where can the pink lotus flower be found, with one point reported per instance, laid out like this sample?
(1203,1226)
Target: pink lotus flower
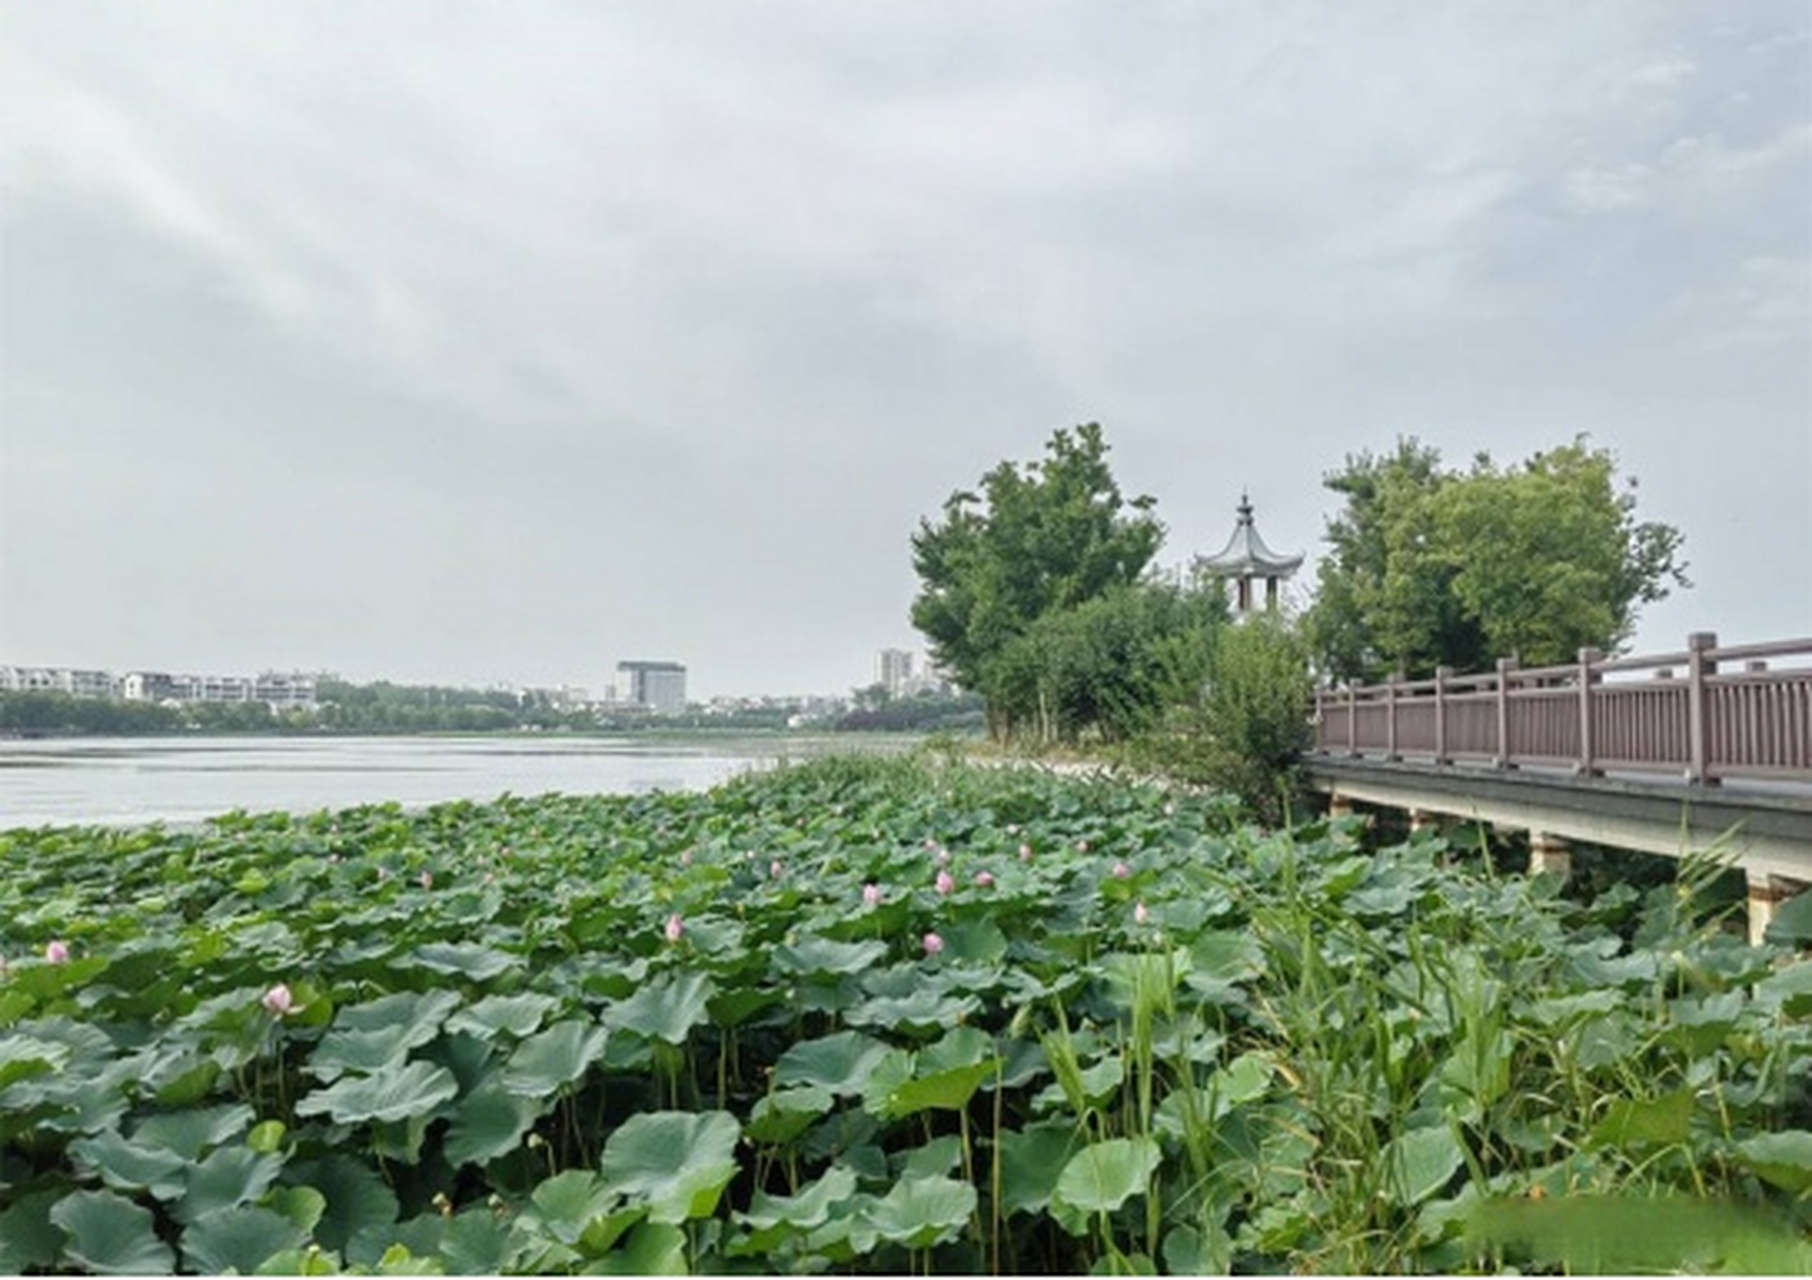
(427,879)
(871,895)
(676,928)
(278,1000)
(1140,915)
(774,869)
(1121,871)
(1025,853)
(1012,828)
(983,879)
(933,944)
(57,952)
(945,882)
(1081,846)
(943,857)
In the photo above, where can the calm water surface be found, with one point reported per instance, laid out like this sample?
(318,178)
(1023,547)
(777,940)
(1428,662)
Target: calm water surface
(127,780)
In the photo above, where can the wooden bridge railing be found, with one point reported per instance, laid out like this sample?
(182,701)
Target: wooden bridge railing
(1703,715)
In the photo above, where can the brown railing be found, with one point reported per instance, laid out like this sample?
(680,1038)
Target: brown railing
(1703,715)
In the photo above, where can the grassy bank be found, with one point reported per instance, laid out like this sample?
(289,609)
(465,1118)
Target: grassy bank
(875,1015)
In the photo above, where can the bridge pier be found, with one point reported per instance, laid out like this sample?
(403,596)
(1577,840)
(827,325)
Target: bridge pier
(1339,806)
(1549,853)
(1766,893)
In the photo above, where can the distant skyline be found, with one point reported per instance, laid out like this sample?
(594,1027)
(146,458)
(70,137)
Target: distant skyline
(483,343)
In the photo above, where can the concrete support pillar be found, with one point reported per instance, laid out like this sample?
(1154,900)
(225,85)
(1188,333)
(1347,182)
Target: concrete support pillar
(1549,853)
(1423,820)
(1339,806)
(1766,893)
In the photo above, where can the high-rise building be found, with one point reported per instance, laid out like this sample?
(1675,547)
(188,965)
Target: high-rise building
(893,671)
(659,686)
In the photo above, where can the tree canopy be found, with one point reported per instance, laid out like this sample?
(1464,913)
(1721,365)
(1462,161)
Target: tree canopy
(1038,540)
(1439,568)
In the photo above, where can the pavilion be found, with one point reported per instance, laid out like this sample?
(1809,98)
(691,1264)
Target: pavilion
(1245,558)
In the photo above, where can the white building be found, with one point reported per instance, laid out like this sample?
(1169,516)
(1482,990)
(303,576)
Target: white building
(659,686)
(893,671)
(74,681)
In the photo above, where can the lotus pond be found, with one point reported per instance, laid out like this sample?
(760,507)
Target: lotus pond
(878,1016)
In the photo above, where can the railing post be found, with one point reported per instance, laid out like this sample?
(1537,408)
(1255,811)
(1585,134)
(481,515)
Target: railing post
(1320,745)
(1390,719)
(1504,667)
(1698,721)
(1440,713)
(1586,766)
(1352,719)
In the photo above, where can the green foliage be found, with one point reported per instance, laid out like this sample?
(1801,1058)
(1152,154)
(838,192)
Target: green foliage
(1242,732)
(1108,667)
(1149,1038)
(1432,567)
(1038,539)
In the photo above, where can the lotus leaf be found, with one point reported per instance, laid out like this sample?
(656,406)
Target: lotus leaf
(545,1063)
(678,1162)
(921,1212)
(109,1235)
(190,1132)
(519,1015)
(488,1122)
(841,1062)
(128,1166)
(1783,1158)
(395,1092)
(238,1240)
(1105,1175)
(1419,1163)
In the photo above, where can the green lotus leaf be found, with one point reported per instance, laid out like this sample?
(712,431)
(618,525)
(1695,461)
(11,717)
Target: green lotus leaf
(366,1051)
(941,1091)
(488,1122)
(238,1240)
(1788,989)
(359,1203)
(679,1162)
(1031,1160)
(109,1235)
(303,1206)
(544,1063)
(520,1015)
(1792,921)
(1634,1122)
(811,1207)
(29,1240)
(129,1166)
(936,1158)
(1419,1163)
(191,1132)
(975,941)
(1783,1158)
(922,1011)
(567,1202)
(841,1063)
(921,1212)
(653,1249)
(394,1093)
(666,1009)
(476,1243)
(23,1056)
(783,1115)
(462,959)
(230,1176)
(1105,1175)
(817,955)
(403,1008)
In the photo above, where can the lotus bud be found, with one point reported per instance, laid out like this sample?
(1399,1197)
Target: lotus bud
(57,952)
(675,929)
(871,895)
(1121,871)
(278,1000)
(983,879)
(933,944)
(945,882)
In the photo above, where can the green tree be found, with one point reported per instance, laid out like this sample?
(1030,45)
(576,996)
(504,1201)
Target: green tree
(1431,567)
(1039,538)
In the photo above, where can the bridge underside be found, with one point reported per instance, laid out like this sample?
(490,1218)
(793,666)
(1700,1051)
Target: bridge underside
(1769,836)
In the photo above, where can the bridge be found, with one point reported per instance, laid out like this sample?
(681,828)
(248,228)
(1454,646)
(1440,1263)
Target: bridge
(1708,748)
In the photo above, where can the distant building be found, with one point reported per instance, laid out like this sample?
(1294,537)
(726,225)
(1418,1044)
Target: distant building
(659,686)
(893,671)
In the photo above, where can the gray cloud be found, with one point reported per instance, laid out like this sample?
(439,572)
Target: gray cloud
(482,342)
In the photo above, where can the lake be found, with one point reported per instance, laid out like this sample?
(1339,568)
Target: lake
(184,779)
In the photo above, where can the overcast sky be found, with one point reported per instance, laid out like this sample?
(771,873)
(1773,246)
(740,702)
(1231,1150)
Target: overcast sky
(483,343)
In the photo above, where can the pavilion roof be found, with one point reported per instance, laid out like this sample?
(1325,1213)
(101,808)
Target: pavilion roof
(1246,553)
